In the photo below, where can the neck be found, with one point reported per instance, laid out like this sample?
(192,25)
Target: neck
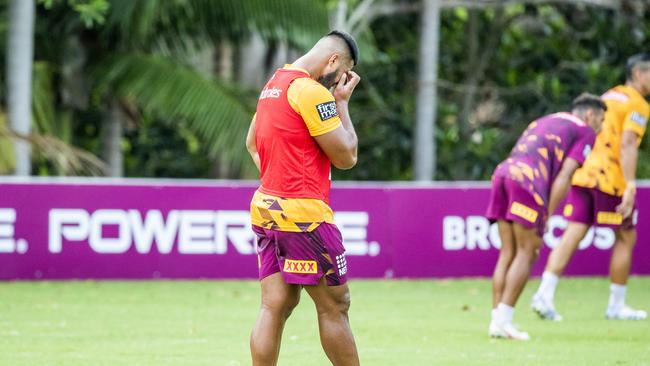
(580,115)
(636,86)
(309,63)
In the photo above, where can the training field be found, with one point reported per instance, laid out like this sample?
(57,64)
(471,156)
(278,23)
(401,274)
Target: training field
(395,323)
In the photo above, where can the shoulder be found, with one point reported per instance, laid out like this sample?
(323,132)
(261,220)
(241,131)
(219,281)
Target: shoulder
(567,118)
(588,132)
(307,86)
(640,104)
(634,100)
(308,93)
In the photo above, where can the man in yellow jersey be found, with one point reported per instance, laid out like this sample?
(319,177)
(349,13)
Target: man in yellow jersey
(603,193)
(299,130)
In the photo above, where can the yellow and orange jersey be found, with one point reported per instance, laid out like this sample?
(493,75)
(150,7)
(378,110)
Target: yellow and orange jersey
(627,110)
(294,171)
(314,103)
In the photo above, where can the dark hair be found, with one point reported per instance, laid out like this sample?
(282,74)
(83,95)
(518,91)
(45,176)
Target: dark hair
(634,61)
(349,41)
(587,100)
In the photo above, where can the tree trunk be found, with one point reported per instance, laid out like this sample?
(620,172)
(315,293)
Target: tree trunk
(253,61)
(20,57)
(112,139)
(471,79)
(225,62)
(424,147)
(340,15)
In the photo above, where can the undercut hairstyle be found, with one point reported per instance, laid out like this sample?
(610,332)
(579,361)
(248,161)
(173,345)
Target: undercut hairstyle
(634,61)
(349,41)
(588,101)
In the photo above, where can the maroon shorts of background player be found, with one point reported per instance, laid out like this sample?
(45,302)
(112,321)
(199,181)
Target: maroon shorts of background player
(593,207)
(506,199)
(303,258)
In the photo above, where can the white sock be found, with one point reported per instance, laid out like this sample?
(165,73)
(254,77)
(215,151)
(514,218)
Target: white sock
(616,296)
(494,314)
(547,287)
(504,313)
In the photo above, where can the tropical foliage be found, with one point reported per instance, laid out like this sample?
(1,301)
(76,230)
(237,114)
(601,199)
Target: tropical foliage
(179,72)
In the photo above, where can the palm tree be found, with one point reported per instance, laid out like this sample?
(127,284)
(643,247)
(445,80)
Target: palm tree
(150,69)
(135,58)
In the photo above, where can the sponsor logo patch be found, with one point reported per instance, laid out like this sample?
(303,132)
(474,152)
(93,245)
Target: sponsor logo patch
(586,151)
(609,218)
(638,118)
(342,264)
(327,110)
(524,212)
(300,266)
(270,93)
(568,210)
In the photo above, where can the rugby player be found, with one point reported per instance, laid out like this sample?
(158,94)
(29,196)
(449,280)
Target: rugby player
(299,130)
(526,187)
(603,194)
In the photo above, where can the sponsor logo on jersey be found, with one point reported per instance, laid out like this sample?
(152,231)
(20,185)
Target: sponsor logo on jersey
(638,118)
(270,93)
(586,151)
(327,110)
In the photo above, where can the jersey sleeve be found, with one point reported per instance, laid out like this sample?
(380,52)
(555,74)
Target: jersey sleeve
(636,119)
(316,106)
(582,147)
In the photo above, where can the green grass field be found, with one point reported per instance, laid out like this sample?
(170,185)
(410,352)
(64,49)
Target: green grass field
(395,323)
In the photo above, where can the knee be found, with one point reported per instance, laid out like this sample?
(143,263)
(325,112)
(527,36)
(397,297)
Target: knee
(535,254)
(282,306)
(528,254)
(344,303)
(337,305)
(506,256)
(626,241)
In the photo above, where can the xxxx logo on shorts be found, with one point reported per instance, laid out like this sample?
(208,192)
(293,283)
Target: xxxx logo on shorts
(298,266)
(524,212)
(609,218)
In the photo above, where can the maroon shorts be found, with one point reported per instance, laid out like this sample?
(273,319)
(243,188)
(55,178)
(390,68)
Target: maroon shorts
(302,258)
(593,207)
(510,202)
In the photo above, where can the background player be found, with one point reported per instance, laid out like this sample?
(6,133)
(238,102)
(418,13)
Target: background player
(299,130)
(525,188)
(603,193)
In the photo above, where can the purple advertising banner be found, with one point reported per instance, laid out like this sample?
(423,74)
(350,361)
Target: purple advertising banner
(101,229)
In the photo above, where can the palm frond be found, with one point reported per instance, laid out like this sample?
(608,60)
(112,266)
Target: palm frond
(7,155)
(67,159)
(178,94)
(43,109)
(300,22)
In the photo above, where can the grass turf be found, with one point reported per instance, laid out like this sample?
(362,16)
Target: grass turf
(395,323)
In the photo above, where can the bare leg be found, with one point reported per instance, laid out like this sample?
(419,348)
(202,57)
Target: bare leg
(619,268)
(506,255)
(561,255)
(528,242)
(278,300)
(332,305)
